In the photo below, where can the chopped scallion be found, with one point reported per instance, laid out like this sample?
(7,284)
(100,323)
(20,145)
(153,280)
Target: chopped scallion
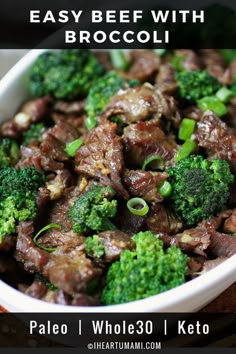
(186,149)
(72,147)
(118,59)
(213,104)
(45,228)
(224,94)
(156,162)
(90,123)
(160,52)
(186,129)
(133,205)
(165,189)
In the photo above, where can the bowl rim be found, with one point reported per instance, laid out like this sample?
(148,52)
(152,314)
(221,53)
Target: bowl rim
(219,277)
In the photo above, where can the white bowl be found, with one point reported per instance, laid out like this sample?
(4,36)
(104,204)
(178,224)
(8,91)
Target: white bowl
(188,297)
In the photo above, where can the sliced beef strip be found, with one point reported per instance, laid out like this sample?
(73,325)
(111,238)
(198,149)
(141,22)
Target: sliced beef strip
(161,220)
(216,66)
(222,245)
(10,130)
(64,132)
(190,241)
(33,258)
(53,148)
(37,290)
(144,63)
(192,112)
(75,121)
(165,79)
(85,300)
(32,156)
(212,263)
(74,107)
(199,238)
(33,111)
(217,221)
(114,243)
(43,203)
(40,291)
(128,222)
(101,157)
(232,68)
(56,238)
(204,239)
(144,139)
(57,297)
(104,59)
(230,223)
(144,184)
(8,243)
(58,213)
(38,108)
(191,61)
(219,140)
(72,271)
(67,267)
(194,266)
(140,103)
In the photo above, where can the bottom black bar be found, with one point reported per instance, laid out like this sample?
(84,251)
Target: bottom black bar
(86,351)
(117,331)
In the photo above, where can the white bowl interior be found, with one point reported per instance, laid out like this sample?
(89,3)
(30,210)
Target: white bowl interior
(188,297)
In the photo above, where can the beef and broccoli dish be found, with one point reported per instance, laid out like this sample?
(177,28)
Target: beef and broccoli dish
(117,175)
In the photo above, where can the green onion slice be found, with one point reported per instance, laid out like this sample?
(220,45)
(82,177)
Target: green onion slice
(45,228)
(165,189)
(224,94)
(213,104)
(186,149)
(155,161)
(133,203)
(160,52)
(118,59)
(72,147)
(90,123)
(186,129)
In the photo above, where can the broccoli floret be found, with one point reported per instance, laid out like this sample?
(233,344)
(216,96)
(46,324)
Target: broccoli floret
(33,133)
(194,85)
(147,271)
(27,179)
(43,64)
(9,152)
(200,188)
(66,75)
(92,210)
(94,246)
(228,54)
(106,87)
(17,197)
(177,62)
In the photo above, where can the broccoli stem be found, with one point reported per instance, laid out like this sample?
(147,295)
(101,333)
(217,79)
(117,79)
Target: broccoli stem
(118,59)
